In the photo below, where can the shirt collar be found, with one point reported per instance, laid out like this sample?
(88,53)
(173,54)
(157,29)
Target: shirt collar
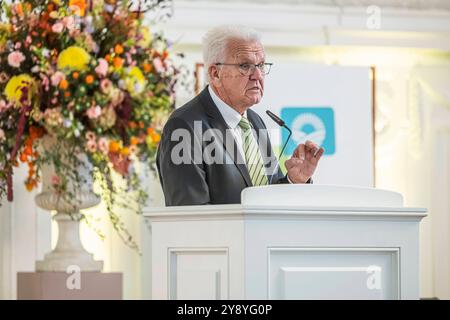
(231,116)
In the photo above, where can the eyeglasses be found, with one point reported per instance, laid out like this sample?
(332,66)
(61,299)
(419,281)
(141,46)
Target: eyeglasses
(246,69)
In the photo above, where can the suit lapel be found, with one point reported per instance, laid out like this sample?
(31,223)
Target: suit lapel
(217,122)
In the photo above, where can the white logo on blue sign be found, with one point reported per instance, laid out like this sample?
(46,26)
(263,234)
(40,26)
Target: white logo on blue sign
(315,124)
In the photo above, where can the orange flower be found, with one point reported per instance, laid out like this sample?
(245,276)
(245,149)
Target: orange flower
(23,157)
(67,94)
(118,62)
(79,6)
(19,9)
(29,186)
(29,142)
(89,79)
(134,141)
(125,152)
(75,75)
(165,54)
(114,146)
(35,133)
(63,85)
(150,131)
(147,67)
(28,150)
(108,58)
(132,124)
(156,137)
(118,49)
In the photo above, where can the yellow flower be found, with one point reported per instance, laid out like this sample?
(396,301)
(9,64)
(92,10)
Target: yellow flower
(73,58)
(13,89)
(146,39)
(135,81)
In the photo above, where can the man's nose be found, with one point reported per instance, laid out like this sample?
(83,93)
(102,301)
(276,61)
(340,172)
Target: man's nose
(256,74)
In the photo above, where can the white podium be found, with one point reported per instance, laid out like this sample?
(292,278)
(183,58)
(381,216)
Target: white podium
(286,242)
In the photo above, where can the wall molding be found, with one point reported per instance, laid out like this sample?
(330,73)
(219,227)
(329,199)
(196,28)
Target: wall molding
(305,25)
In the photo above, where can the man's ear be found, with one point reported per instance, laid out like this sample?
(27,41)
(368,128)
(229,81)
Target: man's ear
(214,78)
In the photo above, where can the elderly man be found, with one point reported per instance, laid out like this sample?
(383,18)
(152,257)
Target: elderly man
(235,62)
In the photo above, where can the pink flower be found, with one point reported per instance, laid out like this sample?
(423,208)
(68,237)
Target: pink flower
(58,27)
(128,56)
(69,22)
(74,32)
(45,82)
(57,77)
(120,163)
(90,135)
(3,105)
(105,85)
(15,58)
(90,43)
(94,112)
(91,145)
(103,145)
(159,67)
(56,180)
(102,67)
(18,46)
(53,117)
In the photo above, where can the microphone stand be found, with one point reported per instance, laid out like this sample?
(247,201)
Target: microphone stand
(281,123)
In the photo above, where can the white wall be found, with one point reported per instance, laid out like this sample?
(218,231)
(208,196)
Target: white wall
(24,235)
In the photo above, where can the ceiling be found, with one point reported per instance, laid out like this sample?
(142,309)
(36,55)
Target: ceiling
(401,4)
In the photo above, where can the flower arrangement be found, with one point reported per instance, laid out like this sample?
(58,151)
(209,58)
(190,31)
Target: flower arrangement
(91,75)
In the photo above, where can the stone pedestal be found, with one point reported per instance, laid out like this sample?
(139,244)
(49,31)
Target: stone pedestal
(69,286)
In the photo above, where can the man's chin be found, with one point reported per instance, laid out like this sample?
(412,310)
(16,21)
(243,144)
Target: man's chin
(255,99)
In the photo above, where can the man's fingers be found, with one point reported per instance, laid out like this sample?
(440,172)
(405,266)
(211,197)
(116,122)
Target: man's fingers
(292,162)
(309,143)
(288,164)
(319,154)
(311,149)
(300,151)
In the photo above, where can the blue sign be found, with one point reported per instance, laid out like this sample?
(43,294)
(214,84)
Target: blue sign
(315,124)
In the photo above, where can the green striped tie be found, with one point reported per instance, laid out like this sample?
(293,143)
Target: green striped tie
(252,156)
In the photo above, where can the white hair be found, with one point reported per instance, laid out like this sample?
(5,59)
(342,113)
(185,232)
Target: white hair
(216,40)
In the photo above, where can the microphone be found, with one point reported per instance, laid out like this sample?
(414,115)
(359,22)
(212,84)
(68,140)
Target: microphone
(281,123)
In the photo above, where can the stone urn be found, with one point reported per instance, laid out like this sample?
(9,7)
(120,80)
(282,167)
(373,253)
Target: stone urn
(69,252)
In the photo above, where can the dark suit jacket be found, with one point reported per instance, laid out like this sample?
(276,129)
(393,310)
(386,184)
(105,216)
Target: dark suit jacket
(202,182)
